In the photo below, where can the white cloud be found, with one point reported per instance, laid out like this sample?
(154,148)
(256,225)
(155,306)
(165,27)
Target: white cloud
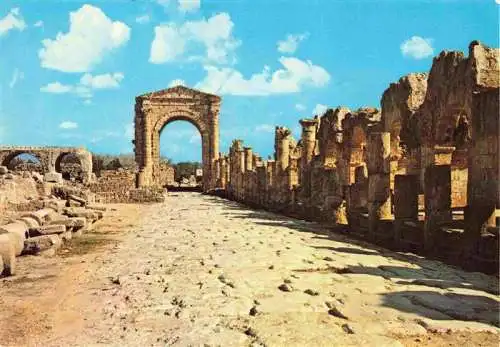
(13,20)
(208,40)
(189,5)
(105,81)
(265,128)
(177,82)
(91,36)
(16,76)
(87,83)
(300,107)
(293,77)
(319,110)
(68,125)
(417,47)
(56,88)
(143,19)
(38,24)
(291,43)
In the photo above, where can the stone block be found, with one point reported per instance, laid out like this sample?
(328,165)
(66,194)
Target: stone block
(8,254)
(379,151)
(437,191)
(51,229)
(42,243)
(379,187)
(19,230)
(41,216)
(53,177)
(79,222)
(30,222)
(406,189)
(3,170)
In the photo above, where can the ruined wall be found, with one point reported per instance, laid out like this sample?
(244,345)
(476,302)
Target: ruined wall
(113,185)
(164,174)
(419,175)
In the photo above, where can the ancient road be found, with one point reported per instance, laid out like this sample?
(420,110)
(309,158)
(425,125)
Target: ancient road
(202,271)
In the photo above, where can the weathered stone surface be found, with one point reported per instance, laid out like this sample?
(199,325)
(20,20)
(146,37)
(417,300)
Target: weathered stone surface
(3,170)
(8,244)
(77,199)
(41,216)
(448,117)
(53,177)
(50,159)
(400,103)
(155,110)
(20,232)
(38,244)
(79,222)
(51,229)
(30,222)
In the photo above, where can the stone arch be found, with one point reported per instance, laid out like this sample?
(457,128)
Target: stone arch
(172,117)
(76,173)
(155,110)
(7,159)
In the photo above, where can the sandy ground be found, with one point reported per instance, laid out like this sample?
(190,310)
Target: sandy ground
(201,271)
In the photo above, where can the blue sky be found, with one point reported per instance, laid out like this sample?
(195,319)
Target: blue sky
(69,70)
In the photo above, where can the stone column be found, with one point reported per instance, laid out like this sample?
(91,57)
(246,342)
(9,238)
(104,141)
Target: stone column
(283,150)
(437,194)
(240,174)
(146,171)
(228,170)
(261,183)
(222,172)
(379,181)
(218,165)
(483,196)
(213,145)
(308,144)
(248,159)
(270,179)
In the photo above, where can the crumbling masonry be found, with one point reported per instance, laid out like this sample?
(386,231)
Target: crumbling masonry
(419,175)
(50,157)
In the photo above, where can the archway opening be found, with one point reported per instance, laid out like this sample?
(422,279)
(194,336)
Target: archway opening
(180,156)
(24,162)
(70,166)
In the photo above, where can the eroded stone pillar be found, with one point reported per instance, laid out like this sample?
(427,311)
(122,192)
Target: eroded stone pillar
(406,190)
(223,171)
(248,159)
(145,174)
(437,193)
(379,181)
(308,145)
(282,138)
(483,195)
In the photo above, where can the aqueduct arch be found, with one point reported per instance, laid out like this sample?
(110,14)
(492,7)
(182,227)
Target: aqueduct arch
(49,157)
(153,111)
